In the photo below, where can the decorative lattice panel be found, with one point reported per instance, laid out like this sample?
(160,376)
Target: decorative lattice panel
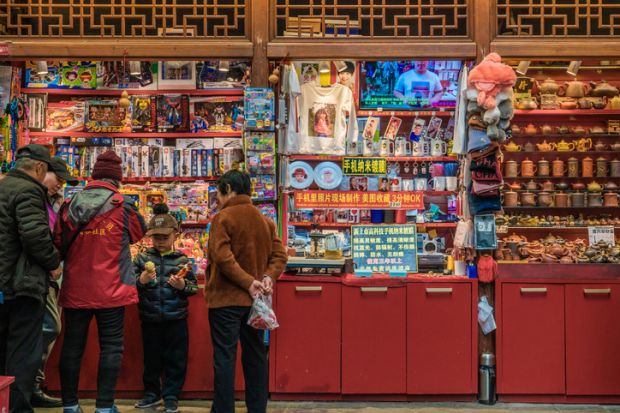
(123,18)
(558,18)
(371,18)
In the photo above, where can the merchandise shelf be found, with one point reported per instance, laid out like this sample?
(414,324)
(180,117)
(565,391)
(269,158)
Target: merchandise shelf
(569,178)
(117,92)
(566,136)
(388,158)
(539,228)
(168,179)
(528,208)
(567,112)
(348,224)
(409,113)
(540,154)
(195,223)
(169,135)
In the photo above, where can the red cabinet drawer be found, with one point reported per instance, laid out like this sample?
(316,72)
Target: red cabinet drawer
(307,351)
(593,339)
(373,340)
(439,339)
(532,339)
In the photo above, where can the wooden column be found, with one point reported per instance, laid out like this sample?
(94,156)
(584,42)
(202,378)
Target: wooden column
(483,26)
(260,38)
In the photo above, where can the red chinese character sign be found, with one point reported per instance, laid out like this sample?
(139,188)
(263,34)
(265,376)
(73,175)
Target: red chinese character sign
(384,249)
(356,199)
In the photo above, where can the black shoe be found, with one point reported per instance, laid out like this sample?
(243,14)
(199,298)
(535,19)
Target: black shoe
(79,410)
(40,399)
(147,402)
(171,406)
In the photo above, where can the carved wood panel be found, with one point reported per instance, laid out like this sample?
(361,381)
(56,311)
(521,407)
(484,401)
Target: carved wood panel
(558,18)
(412,19)
(137,19)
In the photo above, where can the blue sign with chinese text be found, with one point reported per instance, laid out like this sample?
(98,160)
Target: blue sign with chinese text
(384,249)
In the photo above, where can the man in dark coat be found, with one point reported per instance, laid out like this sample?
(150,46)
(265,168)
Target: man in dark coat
(27,260)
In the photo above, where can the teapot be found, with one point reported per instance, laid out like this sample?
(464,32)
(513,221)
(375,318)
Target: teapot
(547,186)
(594,187)
(530,147)
(597,130)
(546,130)
(611,186)
(531,129)
(604,89)
(568,104)
(578,186)
(614,103)
(531,185)
(615,146)
(515,129)
(578,130)
(600,146)
(548,87)
(545,147)
(583,144)
(598,103)
(584,103)
(528,103)
(512,147)
(515,186)
(564,146)
(574,89)
(563,129)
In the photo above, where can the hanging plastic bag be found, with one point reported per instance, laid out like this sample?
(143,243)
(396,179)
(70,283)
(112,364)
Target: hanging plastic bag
(485,316)
(262,316)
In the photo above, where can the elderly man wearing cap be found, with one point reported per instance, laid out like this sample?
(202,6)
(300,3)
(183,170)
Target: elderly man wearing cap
(93,233)
(27,259)
(57,175)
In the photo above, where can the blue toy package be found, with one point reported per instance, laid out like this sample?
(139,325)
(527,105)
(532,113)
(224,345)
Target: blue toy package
(259,108)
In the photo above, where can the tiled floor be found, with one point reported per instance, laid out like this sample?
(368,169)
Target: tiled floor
(126,406)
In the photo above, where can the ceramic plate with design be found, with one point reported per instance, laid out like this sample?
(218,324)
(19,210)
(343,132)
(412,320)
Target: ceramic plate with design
(328,175)
(300,175)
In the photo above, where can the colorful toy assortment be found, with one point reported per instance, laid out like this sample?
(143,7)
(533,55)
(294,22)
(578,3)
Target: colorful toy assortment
(62,75)
(172,113)
(260,164)
(216,114)
(107,116)
(259,109)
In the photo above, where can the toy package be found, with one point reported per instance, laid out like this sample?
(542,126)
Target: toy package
(172,113)
(106,116)
(210,77)
(62,75)
(36,111)
(143,113)
(116,75)
(216,114)
(65,117)
(259,109)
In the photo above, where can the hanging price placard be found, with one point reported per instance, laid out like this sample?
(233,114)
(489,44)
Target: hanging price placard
(596,234)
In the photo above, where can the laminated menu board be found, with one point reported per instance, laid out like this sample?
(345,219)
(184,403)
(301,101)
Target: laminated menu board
(384,249)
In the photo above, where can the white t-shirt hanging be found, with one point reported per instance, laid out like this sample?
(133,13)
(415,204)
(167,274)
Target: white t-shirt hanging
(323,120)
(292,89)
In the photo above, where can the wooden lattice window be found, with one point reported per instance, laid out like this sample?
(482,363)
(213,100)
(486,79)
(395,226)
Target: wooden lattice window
(558,18)
(123,18)
(371,18)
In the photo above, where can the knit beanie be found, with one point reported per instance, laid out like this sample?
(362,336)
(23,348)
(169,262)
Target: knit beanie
(108,166)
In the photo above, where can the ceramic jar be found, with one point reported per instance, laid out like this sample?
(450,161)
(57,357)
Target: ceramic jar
(543,168)
(511,169)
(547,186)
(587,165)
(530,147)
(544,199)
(610,199)
(561,200)
(557,167)
(614,168)
(577,199)
(601,167)
(573,167)
(511,198)
(528,199)
(595,199)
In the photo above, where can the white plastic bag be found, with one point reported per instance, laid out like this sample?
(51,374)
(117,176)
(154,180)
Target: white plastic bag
(262,316)
(485,316)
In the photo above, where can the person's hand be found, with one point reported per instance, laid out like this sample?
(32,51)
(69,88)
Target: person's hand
(56,273)
(267,285)
(176,282)
(147,277)
(256,288)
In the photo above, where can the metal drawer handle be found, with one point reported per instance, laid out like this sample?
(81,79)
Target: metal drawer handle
(319,289)
(533,290)
(374,289)
(597,290)
(439,290)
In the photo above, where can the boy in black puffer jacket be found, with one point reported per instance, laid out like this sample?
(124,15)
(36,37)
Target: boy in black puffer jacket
(164,280)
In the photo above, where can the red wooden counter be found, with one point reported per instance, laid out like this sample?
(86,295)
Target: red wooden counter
(558,333)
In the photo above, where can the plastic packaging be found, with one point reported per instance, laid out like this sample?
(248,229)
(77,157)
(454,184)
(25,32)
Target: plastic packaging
(262,316)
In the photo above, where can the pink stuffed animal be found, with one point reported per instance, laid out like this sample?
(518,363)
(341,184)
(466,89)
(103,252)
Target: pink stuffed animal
(489,78)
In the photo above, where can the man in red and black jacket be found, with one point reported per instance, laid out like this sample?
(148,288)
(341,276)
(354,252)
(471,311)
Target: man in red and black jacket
(93,233)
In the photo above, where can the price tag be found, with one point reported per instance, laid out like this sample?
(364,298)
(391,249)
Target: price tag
(596,234)
(395,204)
(502,229)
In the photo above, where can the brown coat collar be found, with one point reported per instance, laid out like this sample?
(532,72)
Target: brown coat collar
(237,200)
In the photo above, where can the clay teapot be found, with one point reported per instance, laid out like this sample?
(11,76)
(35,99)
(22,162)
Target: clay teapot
(611,186)
(584,103)
(583,144)
(546,147)
(563,129)
(615,146)
(515,186)
(614,103)
(604,89)
(578,130)
(512,147)
(568,104)
(531,185)
(600,146)
(574,89)
(530,147)
(566,260)
(594,187)
(547,186)
(561,186)
(597,130)
(564,146)
(527,103)
(546,129)
(515,129)
(598,103)
(577,186)
(530,130)
(548,87)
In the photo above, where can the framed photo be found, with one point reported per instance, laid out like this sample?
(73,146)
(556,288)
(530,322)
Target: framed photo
(176,75)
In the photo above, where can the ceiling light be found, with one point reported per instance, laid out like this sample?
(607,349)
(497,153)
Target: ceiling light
(325,67)
(522,67)
(41,67)
(135,68)
(224,66)
(573,67)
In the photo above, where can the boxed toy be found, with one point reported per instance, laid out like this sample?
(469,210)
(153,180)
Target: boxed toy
(117,75)
(143,113)
(106,116)
(172,113)
(62,75)
(65,117)
(216,114)
(259,109)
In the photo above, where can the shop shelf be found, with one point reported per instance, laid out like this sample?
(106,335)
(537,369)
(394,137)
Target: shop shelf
(539,154)
(566,112)
(170,179)
(388,158)
(529,208)
(347,225)
(542,228)
(195,223)
(569,178)
(171,135)
(567,136)
(407,113)
(117,92)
